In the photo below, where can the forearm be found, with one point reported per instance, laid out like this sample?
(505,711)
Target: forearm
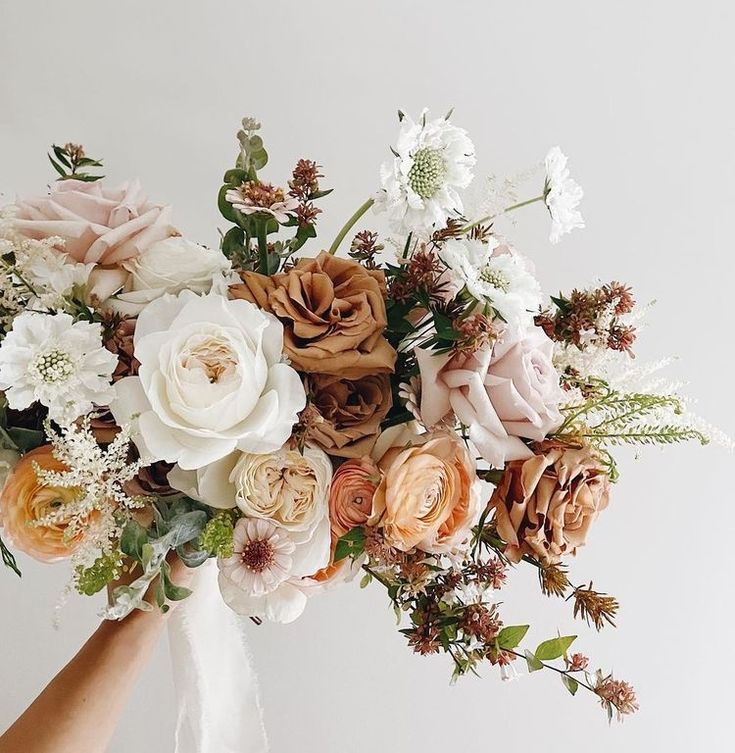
(86,698)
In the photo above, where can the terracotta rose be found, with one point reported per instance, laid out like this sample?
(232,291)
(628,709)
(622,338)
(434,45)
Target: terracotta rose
(352,411)
(333,314)
(546,504)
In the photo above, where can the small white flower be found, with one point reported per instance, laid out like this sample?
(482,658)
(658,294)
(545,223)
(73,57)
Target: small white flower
(508,673)
(496,277)
(419,186)
(562,195)
(58,362)
(50,272)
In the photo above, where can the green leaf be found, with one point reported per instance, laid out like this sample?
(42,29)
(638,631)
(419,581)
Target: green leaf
(9,558)
(321,194)
(236,177)
(555,647)
(26,439)
(570,684)
(61,156)
(534,664)
(59,169)
(352,544)
(233,241)
(170,589)
(259,159)
(366,580)
(187,527)
(133,539)
(511,636)
(226,209)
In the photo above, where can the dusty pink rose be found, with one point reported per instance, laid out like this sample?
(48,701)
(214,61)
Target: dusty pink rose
(502,393)
(99,225)
(351,495)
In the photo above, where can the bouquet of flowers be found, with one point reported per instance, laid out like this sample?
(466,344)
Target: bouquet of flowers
(415,412)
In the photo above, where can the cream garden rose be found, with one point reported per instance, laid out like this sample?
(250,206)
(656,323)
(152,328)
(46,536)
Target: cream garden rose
(211,380)
(169,266)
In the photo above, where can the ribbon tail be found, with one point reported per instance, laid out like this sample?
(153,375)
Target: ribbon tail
(217,690)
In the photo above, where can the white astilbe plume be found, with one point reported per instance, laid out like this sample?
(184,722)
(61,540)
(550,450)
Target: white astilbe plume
(102,506)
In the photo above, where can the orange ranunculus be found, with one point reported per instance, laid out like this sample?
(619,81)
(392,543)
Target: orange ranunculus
(24,500)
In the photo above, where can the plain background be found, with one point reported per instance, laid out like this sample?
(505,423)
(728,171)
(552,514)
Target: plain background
(639,94)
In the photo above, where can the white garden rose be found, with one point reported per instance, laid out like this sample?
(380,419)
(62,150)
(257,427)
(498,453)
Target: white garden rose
(288,487)
(168,266)
(210,381)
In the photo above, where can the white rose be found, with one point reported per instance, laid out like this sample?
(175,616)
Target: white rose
(168,266)
(210,381)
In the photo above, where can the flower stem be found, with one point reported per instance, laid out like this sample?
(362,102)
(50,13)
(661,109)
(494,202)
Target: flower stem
(564,672)
(262,246)
(511,208)
(349,225)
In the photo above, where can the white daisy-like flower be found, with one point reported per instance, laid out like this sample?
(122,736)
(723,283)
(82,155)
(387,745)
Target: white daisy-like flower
(562,195)
(497,277)
(265,575)
(58,362)
(262,198)
(262,558)
(432,160)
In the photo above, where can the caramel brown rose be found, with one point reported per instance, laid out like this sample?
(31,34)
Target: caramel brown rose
(546,504)
(351,412)
(333,313)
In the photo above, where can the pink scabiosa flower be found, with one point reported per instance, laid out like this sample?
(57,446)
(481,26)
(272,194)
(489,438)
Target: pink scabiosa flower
(262,198)
(262,557)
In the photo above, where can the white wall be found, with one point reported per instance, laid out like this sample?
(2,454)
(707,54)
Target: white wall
(640,95)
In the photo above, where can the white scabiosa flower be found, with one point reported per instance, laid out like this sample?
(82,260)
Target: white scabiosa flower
(495,275)
(562,195)
(58,362)
(433,159)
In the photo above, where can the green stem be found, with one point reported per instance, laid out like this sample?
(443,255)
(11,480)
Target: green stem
(349,225)
(262,245)
(511,208)
(564,672)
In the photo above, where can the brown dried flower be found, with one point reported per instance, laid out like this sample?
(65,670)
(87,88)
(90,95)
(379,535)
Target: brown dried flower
(577,662)
(595,607)
(616,696)
(554,581)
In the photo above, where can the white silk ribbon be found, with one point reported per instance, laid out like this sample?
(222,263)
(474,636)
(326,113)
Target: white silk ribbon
(217,690)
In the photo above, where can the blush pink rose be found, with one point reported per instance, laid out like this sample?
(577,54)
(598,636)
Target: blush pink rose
(100,225)
(502,393)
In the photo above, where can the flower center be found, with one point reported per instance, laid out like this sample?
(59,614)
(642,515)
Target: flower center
(427,172)
(53,367)
(263,195)
(495,278)
(257,555)
(214,358)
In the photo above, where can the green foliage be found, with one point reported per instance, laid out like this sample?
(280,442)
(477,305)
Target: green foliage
(176,525)
(70,163)
(104,570)
(216,538)
(533,662)
(352,544)
(554,648)
(570,683)
(9,558)
(509,637)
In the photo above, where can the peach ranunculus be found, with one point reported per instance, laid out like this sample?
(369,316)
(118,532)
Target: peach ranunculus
(333,313)
(545,505)
(500,393)
(99,225)
(351,412)
(429,497)
(351,496)
(24,500)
